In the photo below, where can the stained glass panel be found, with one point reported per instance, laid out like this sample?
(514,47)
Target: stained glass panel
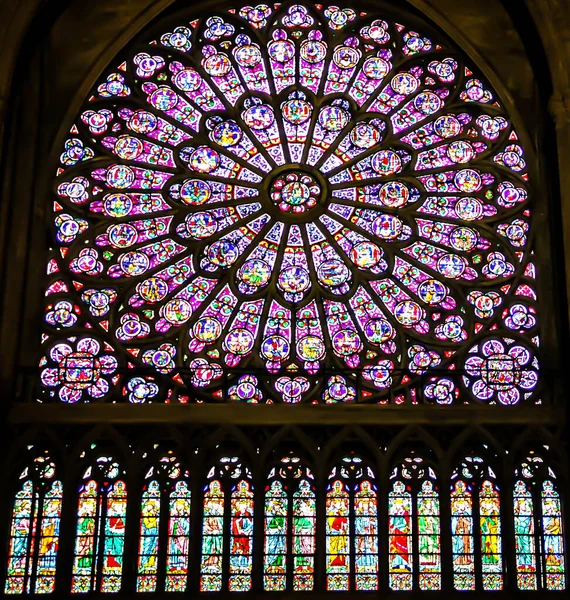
(241,540)
(114,544)
(400,537)
(178,538)
(34,530)
(100,528)
(276,526)
(525,546)
(491,540)
(49,539)
(462,536)
(149,537)
(429,542)
(88,517)
(304,532)
(258,195)
(552,540)
(338,536)
(366,537)
(212,538)
(21,538)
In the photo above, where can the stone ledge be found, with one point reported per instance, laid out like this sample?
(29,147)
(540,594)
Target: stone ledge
(262,414)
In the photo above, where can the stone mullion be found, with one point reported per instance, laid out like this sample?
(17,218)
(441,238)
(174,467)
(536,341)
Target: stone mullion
(67,532)
(508,529)
(383,480)
(258,479)
(320,529)
(445,527)
(196,524)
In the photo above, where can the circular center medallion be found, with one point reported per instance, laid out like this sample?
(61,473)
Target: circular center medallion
(295,192)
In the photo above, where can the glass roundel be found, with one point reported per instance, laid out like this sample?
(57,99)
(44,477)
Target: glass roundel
(291,203)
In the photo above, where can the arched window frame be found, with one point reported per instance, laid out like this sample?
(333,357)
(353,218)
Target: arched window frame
(475,482)
(540,530)
(290,496)
(98,555)
(35,528)
(165,522)
(412,480)
(227,527)
(350,477)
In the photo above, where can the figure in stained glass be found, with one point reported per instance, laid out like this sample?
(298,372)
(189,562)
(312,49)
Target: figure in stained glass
(400,530)
(304,529)
(337,527)
(35,529)
(429,537)
(462,536)
(553,547)
(150,519)
(276,504)
(525,544)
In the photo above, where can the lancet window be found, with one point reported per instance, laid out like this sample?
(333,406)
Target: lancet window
(476,526)
(35,529)
(164,526)
(289,527)
(414,526)
(352,526)
(539,541)
(100,527)
(227,527)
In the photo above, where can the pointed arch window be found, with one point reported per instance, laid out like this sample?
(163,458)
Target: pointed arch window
(539,541)
(227,528)
(100,530)
(289,527)
(414,527)
(352,527)
(34,530)
(476,530)
(164,527)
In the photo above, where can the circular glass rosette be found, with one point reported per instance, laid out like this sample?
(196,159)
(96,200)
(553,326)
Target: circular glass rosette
(283,194)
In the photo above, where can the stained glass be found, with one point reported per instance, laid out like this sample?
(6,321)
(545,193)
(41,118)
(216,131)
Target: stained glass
(23,515)
(289,527)
(304,531)
(539,541)
(149,538)
(115,518)
(258,195)
(429,543)
(241,539)
(100,530)
(170,495)
(178,538)
(525,547)
(414,526)
(351,527)
(276,525)
(49,539)
(212,538)
(338,536)
(552,540)
(88,515)
(34,530)
(490,530)
(462,541)
(366,537)
(400,537)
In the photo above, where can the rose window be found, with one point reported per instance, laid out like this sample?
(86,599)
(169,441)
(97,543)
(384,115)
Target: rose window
(292,203)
